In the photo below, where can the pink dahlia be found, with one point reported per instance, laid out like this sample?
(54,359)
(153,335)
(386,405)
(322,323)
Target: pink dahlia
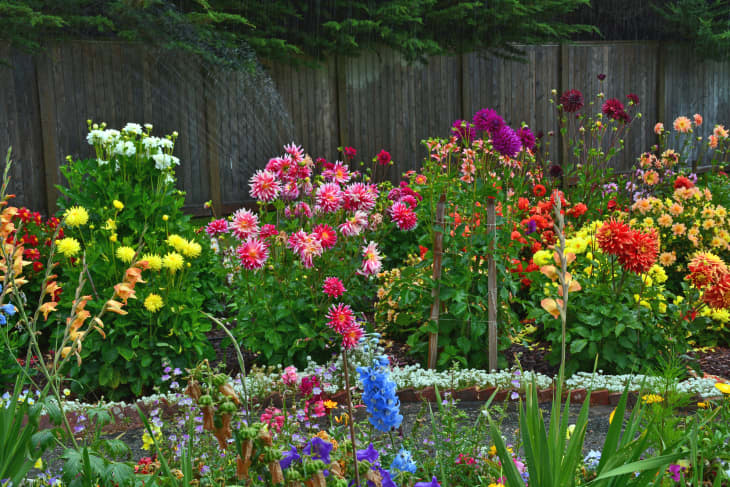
(371,260)
(329,197)
(264,186)
(339,173)
(333,287)
(359,196)
(403,216)
(253,253)
(340,317)
(354,224)
(350,153)
(327,236)
(245,224)
(351,336)
(296,241)
(216,227)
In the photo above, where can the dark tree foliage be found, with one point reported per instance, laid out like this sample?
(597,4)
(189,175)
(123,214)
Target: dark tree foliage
(234,32)
(227,31)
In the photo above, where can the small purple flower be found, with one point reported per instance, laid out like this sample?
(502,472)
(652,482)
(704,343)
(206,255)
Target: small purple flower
(290,456)
(514,396)
(531,226)
(204,470)
(174,385)
(432,483)
(318,449)
(601,77)
(167,369)
(692,177)
(675,471)
(165,377)
(177,371)
(370,454)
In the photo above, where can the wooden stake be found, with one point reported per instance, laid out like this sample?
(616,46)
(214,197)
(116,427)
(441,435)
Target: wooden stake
(438,247)
(492,286)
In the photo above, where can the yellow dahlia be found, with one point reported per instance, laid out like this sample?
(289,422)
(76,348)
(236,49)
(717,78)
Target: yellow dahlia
(191,249)
(153,303)
(173,262)
(176,242)
(154,261)
(76,216)
(118,205)
(68,246)
(125,254)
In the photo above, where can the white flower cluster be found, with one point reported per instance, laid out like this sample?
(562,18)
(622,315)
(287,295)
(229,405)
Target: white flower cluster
(617,383)
(417,377)
(134,140)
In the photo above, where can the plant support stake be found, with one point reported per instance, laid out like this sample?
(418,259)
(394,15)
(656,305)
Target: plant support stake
(438,247)
(492,285)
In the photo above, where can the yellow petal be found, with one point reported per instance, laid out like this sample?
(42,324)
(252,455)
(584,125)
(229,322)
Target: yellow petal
(724,388)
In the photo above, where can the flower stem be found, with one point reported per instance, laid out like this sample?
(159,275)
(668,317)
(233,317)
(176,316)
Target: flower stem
(352,418)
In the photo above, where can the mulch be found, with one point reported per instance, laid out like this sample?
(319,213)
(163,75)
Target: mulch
(714,361)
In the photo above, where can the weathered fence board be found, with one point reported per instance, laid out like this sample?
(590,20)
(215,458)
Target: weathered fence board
(238,120)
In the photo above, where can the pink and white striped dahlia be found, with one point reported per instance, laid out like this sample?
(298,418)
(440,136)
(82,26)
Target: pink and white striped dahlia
(295,151)
(296,241)
(327,236)
(339,173)
(371,260)
(403,216)
(359,196)
(329,197)
(340,317)
(244,224)
(264,186)
(217,227)
(333,287)
(253,253)
(290,191)
(268,230)
(354,224)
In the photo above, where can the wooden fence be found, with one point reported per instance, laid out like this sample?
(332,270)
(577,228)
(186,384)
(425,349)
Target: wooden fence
(231,123)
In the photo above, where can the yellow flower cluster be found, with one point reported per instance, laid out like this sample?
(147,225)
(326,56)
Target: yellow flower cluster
(125,254)
(188,248)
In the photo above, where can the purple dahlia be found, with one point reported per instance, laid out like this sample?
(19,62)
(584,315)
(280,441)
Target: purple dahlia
(527,138)
(506,141)
(488,120)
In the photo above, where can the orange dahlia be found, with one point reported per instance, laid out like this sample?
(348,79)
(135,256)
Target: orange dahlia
(613,236)
(718,294)
(705,268)
(641,252)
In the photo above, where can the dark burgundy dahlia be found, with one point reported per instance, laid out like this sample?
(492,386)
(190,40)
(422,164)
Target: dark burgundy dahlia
(572,101)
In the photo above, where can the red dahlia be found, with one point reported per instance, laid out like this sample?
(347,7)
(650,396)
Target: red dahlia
(572,101)
(613,236)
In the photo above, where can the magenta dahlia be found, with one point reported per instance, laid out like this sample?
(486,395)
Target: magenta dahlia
(488,120)
(403,216)
(253,253)
(244,224)
(333,287)
(264,186)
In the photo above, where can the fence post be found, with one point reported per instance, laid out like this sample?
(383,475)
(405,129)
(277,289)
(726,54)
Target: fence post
(492,285)
(211,146)
(47,109)
(564,152)
(438,247)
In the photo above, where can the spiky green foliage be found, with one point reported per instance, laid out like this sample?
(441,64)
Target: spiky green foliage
(706,23)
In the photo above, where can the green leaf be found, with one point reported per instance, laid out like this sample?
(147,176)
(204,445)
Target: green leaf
(577,345)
